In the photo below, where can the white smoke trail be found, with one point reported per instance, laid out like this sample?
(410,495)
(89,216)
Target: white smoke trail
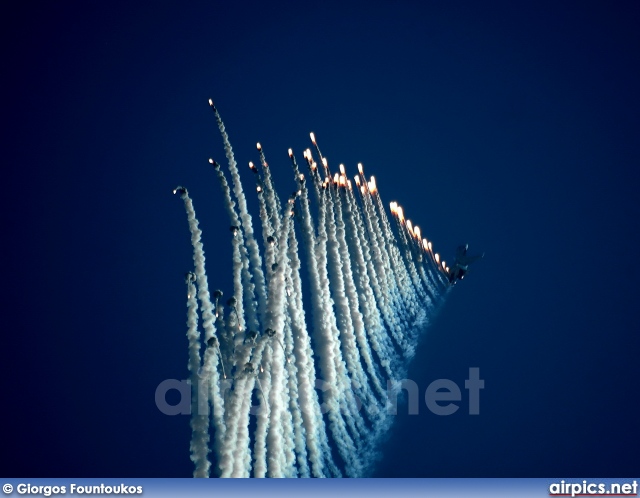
(233,413)
(243,284)
(296,328)
(263,418)
(332,364)
(325,334)
(392,304)
(211,380)
(252,246)
(236,454)
(273,201)
(299,348)
(206,308)
(394,253)
(371,294)
(275,320)
(199,421)
(368,283)
(310,407)
(351,292)
(405,290)
(351,328)
(289,394)
(198,258)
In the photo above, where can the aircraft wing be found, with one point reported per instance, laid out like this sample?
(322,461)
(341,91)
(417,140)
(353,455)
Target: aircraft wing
(472,259)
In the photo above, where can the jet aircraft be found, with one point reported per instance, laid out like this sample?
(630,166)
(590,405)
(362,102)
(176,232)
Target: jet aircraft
(461,265)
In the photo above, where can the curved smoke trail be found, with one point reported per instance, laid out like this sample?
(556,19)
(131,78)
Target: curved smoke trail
(316,383)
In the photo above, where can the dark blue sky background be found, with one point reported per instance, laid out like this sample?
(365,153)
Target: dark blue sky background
(511,127)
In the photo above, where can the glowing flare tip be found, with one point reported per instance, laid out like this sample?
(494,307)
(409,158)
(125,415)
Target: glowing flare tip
(360,168)
(258,146)
(342,170)
(290,153)
(372,185)
(313,137)
(437,256)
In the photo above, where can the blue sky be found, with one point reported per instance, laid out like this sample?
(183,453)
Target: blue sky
(513,128)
